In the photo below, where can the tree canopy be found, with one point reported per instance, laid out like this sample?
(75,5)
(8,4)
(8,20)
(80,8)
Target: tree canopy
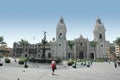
(24,42)
(71,43)
(117,41)
(2,40)
(93,44)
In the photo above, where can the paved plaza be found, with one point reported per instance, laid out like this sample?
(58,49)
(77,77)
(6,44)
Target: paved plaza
(98,71)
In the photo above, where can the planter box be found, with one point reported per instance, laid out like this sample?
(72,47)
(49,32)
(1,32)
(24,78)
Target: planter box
(1,64)
(70,64)
(21,62)
(7,61)
(74,66)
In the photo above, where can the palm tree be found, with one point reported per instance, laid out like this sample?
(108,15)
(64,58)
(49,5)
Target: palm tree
(117,42)
(71,43)
(23,43)
(2,40)
(1,43)
(93,44)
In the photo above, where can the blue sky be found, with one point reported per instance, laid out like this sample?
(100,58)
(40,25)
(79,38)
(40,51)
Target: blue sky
(25,19)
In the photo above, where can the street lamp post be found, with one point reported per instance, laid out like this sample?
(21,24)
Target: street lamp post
(26,66)
(89,59)
(44,43)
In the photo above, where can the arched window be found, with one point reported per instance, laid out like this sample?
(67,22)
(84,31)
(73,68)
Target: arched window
(81,44)
(100,36)
(38,55)
(49,55)
(60,35)
(101,45)
(59,44)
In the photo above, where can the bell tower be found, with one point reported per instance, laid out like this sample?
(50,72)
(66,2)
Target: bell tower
(61,39)
(99,37)
(99,31)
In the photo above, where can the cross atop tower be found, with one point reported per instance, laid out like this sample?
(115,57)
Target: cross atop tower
(98,20)
(61,20)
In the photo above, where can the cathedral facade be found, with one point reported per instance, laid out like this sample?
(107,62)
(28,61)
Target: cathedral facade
(82,48)
(60,47)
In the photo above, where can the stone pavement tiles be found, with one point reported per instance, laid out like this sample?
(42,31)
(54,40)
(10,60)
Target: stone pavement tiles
(98,71)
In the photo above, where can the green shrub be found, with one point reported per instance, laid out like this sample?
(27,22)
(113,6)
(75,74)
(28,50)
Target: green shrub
(83,60)
(22,60)
(78,60)
(99,60)
(70,62)
(7,60)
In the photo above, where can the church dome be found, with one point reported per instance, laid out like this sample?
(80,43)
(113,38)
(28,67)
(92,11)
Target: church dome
(98,20)
(99,25)
(61,24)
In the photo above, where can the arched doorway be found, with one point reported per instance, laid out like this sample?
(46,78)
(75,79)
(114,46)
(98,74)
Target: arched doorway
(91,55)
(69,55)
(81,56)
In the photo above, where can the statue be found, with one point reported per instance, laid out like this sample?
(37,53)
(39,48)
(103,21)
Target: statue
(44,39)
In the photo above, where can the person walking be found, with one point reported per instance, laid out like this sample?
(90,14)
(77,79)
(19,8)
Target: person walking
(109,61)
(53,66)
(115,64)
